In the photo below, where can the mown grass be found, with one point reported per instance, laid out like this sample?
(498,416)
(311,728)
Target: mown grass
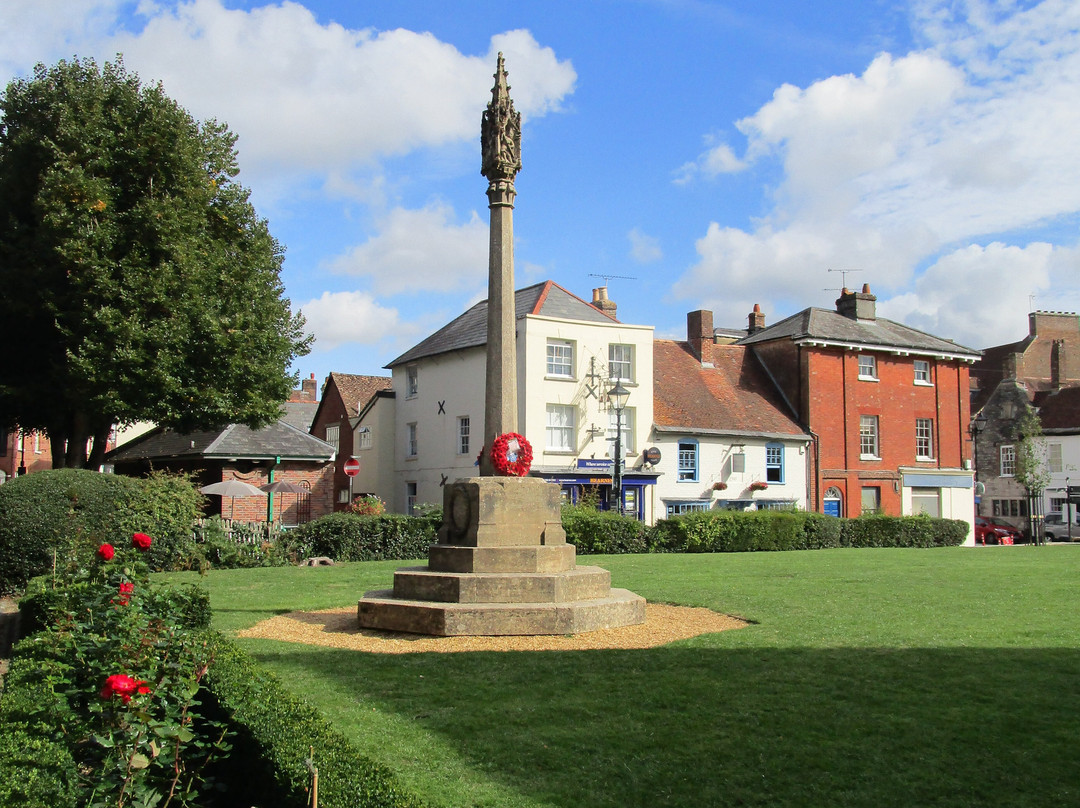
(946,677)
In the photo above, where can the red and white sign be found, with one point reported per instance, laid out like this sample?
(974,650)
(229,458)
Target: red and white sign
(352,466)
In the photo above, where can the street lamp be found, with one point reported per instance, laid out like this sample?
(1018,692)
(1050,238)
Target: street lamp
(617,397)
(977,425)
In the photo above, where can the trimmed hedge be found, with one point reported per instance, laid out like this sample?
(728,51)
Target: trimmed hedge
(76,510)
(734,531)
(275,733)
(349,537)
(603,532)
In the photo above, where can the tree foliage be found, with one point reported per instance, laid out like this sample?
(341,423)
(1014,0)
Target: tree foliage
(1032,470)
(139,283)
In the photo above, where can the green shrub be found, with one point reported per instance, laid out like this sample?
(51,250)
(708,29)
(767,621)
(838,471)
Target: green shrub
(275,733)
(72,511)
(35,770)
(594,532)
(348,537)
(903,531)
(720,531)
(58,510)
(166,508)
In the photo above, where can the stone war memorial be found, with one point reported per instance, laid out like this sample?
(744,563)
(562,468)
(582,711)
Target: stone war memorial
(501,564)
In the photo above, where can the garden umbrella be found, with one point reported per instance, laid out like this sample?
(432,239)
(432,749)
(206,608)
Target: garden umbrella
(232,489)
(281,487)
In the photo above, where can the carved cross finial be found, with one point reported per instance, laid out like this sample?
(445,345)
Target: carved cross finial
(500,132)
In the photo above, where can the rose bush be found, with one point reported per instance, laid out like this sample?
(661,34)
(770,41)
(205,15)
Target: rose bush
(141,542)
(106,552)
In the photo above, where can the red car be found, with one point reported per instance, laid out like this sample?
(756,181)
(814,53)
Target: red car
(987,532)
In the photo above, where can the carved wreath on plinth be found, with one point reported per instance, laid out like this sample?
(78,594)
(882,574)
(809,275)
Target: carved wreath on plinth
(511,455)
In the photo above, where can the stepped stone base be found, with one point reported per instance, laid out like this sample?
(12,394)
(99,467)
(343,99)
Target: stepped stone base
(380,609)
(501,566)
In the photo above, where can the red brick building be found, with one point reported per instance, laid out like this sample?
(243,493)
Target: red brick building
(344,396)
(887,406)
(23,453)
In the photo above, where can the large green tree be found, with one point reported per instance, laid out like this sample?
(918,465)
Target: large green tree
(136,280)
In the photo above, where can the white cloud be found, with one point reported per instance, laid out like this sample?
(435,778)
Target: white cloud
(643,248)
(343,317)
(970,294)
(303,96)
(421,250)
(966,142)
(718,159)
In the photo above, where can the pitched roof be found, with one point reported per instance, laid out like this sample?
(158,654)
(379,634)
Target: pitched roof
(827,325)
(735,396)
(278,439)
(300,414)
(546,299)
(356,390)
(1059,411)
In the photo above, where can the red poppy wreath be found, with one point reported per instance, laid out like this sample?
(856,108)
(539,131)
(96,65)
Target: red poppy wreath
(511,455)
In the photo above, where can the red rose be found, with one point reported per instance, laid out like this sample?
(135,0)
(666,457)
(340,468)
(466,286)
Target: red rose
(126,590)
(105,552)
(122,685)
(141,541)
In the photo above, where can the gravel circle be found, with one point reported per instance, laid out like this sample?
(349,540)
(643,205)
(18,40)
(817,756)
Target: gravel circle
(337,628)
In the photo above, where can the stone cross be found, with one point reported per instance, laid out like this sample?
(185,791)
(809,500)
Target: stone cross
(500,141)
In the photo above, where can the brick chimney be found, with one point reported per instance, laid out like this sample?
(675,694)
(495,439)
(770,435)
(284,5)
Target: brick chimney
(700,335)
(1057,365)
(310,388)
(600,301)
(756,320)
(857,306)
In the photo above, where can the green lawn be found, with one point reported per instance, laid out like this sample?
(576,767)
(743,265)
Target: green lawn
(946,677)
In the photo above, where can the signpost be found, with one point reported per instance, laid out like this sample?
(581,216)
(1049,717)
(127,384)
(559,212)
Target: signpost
(352,468)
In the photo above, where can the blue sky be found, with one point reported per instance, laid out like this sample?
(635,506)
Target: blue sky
(696,154)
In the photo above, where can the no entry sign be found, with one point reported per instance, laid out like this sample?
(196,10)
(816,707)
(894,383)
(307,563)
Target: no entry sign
(352,466)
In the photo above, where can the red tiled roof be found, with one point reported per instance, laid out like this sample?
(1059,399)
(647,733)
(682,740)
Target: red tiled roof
(356,391)
(734,395)
(1060,410)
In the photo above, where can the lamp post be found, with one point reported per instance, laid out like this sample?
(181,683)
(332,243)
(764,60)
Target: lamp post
(978,424)
(617,397)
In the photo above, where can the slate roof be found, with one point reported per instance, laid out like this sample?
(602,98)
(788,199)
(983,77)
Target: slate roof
(546,299)
(735,396)
(300,414)
(279,439)
(1059,411)
(356,391)
(828,325)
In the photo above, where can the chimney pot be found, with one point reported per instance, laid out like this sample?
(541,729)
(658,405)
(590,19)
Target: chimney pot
(600,301)
(756,320)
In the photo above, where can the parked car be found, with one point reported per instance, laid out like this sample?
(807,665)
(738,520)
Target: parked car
(987,532)
(1055,528)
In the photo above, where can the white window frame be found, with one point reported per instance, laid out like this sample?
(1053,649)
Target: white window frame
(924,438)
(412,445)
(621,362)
(926,501)
(560,359)
(627,431)
(364,438)
(869,437)
(333,434)
(868,367)
(676,508)
(876,496)
(410,498)
(1007,460)
(561,431)
(922,372)
(412,381)
(463,428)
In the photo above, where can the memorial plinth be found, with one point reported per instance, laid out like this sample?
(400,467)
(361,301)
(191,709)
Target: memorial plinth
(501,566)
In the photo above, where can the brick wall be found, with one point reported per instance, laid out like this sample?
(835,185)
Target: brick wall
(320,479)
(333,412)
(835,399)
